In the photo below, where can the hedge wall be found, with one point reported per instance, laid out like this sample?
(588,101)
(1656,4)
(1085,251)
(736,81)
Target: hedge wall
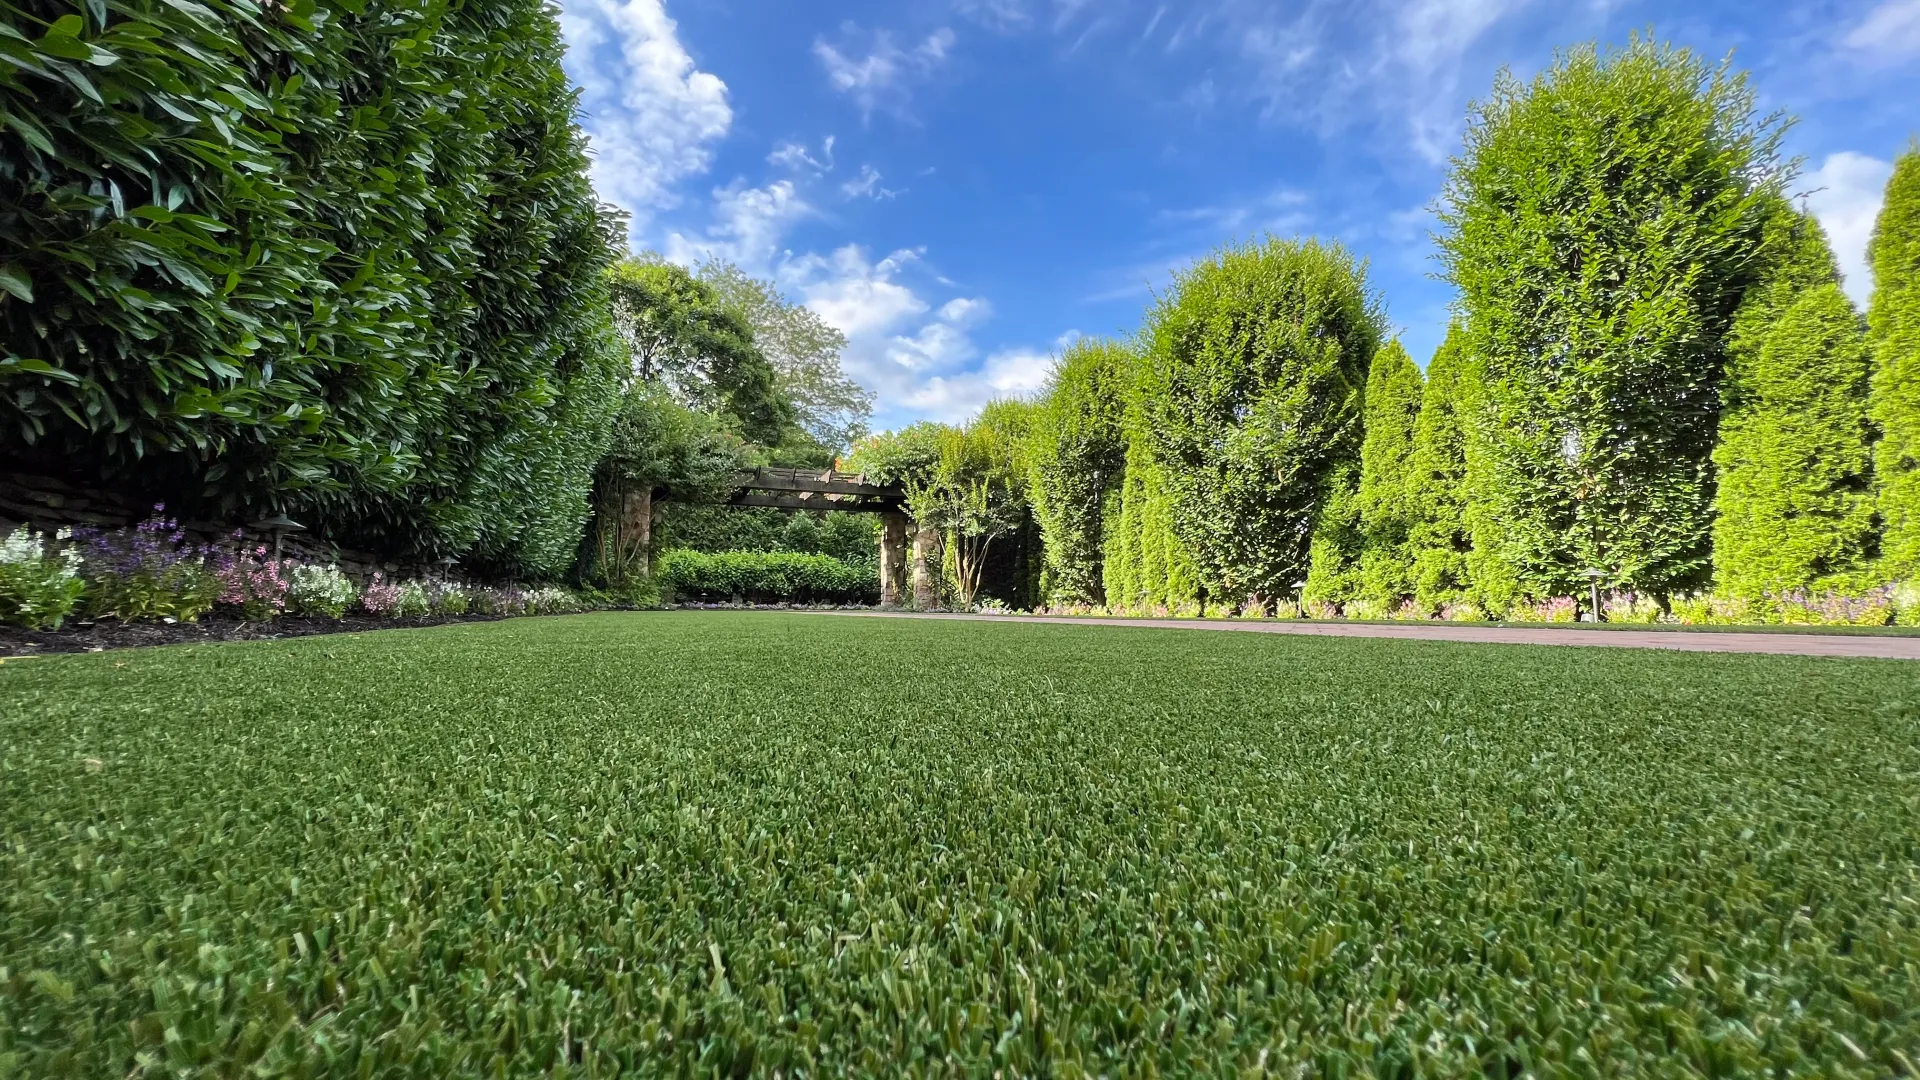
(336,259)
(769,577)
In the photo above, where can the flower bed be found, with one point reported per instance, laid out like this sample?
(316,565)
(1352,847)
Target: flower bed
(93,588)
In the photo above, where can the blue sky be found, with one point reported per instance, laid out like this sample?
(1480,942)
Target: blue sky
(962,186)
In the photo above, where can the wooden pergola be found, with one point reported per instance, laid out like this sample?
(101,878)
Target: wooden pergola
(828,489)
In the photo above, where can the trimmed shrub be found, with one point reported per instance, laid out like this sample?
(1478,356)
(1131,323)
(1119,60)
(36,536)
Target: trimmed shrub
(769,577)
(1078,455)
(1251,398)
(1602,226)
(39,586)
(338,260)
(1894,322)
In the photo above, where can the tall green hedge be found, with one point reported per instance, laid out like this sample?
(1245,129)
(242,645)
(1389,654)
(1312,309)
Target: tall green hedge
(1895,324)
(1387,510)
(1437,534)
(336,259)
(1251,401)
(1077,455)
(1601,227)
(1794,506)
(1795,498)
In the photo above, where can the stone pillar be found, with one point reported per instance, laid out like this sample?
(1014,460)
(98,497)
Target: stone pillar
(893,560)
(636,530)
(926,568)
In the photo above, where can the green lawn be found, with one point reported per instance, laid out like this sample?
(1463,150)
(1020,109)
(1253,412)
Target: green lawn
(702,843)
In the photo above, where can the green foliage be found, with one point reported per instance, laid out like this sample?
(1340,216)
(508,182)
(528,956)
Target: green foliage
(1601,227)
(729,844)
(830,408)
(1386,497)
(662,446)
(844,536)
(1146,565)
(1795,501)
(1894,320)
(975,492)
(907,456)
(39,585)
(342,261)
(682,333)
(769,577)
(1251,399)
(1437,537)
(1078,457)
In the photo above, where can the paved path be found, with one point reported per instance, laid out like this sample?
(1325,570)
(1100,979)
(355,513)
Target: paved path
(1885,648)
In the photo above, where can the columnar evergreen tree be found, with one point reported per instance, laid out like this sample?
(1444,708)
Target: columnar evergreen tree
(1795,499)
(1794,505)
(1438,539)
(1146,565)
(1251,402)
(1078,456)
(1601,227)
(1385,498)
(1895,326)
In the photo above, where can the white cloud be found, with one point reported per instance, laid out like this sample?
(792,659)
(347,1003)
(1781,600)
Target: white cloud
(867,186)
(1009,373)
(859,297)
(1889,32)
(653,117)
(748,225)
(1850,188)
(797,157)
(1002,15)
(884,77)
(920,358)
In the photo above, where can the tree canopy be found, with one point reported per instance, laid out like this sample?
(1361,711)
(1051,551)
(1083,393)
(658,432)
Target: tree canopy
(1251,398)
(1601,226)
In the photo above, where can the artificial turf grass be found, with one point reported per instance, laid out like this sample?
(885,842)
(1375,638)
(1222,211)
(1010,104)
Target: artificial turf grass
(709,842)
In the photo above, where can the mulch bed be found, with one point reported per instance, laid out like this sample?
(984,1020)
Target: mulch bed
(111,634)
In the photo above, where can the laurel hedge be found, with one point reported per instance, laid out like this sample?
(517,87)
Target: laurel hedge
(326,257)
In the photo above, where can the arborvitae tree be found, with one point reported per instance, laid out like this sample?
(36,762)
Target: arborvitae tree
(1078,458)
(1146,565)
(1602,227)
(1796,502)
(1385,498)
(1794,505)
(1251,400)
(1895,326)
(1438,540)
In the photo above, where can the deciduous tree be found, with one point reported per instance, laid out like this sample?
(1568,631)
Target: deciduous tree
(1602,227)
(1251,401)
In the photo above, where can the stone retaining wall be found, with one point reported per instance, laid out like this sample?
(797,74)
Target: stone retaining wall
(48,504)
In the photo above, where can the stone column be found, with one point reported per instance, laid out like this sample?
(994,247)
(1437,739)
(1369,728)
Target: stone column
(636,530)
(893,560)
(926,568)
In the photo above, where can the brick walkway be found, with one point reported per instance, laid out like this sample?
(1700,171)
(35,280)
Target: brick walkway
(1874,647)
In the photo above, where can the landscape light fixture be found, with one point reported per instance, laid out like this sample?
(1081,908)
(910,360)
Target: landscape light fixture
(279,525)
(1593,591)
